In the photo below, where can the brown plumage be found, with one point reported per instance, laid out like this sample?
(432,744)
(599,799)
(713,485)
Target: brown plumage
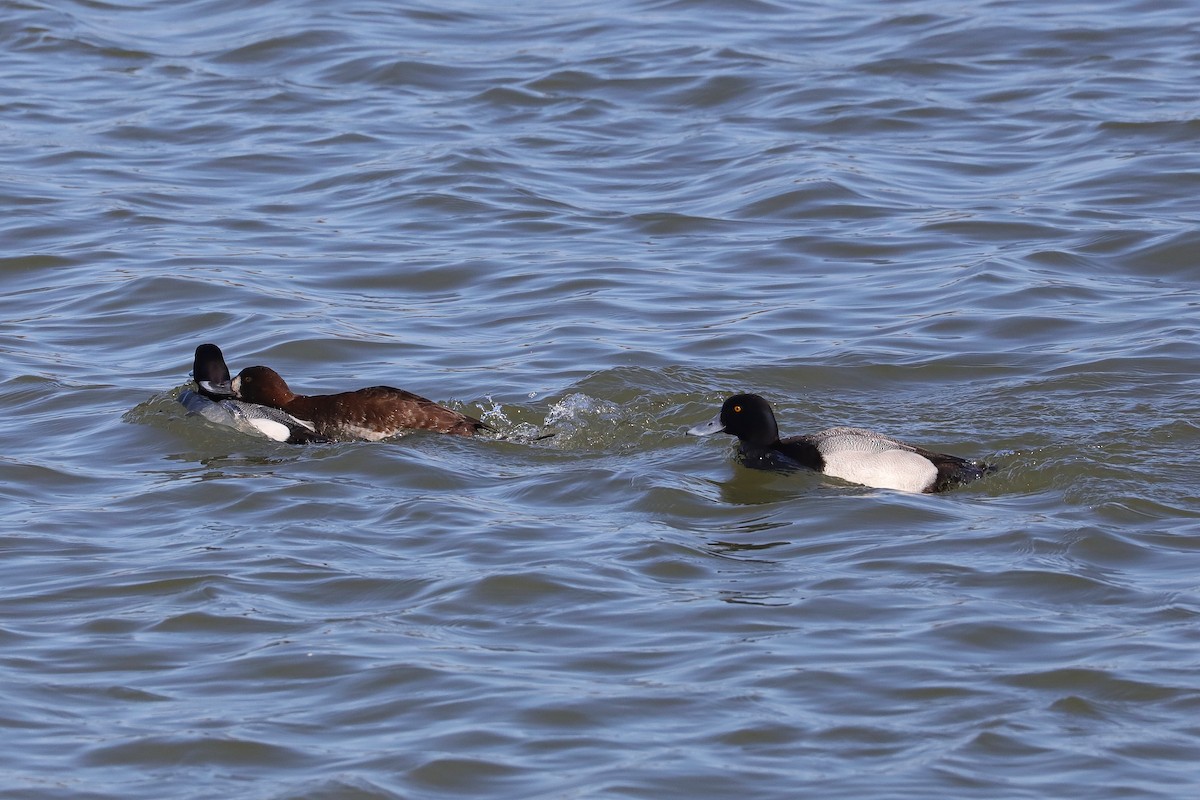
(373,413)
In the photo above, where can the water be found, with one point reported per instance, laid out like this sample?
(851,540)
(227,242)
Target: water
(973,227)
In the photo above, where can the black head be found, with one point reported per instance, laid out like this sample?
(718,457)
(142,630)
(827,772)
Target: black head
(746,416)
(210,372)
(749,417)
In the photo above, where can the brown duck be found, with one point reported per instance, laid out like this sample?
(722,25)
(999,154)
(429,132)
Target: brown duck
(374,413)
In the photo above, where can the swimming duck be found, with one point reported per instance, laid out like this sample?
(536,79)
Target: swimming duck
(374,413)
(852,454)
(208,371)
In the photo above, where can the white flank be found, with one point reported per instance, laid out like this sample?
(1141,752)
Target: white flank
(271,429)
(366,434)
(902,470)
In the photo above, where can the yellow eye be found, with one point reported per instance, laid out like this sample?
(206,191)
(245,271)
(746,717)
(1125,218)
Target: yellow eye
(737,409)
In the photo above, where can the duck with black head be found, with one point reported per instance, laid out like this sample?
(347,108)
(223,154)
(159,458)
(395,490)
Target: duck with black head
(208,400)
(373,413)
(856,455)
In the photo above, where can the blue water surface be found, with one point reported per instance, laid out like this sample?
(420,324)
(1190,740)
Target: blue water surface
(972,227)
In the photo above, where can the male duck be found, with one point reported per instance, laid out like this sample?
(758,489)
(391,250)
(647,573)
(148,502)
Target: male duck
(374,413)
(852,454)
(209,370)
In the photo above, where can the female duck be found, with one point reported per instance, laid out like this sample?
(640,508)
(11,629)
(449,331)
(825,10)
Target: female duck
(374,413)
(852,454)
(209,370)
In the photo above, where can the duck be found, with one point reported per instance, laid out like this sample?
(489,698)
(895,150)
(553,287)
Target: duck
(206,399)
(856,455)
(373,413)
